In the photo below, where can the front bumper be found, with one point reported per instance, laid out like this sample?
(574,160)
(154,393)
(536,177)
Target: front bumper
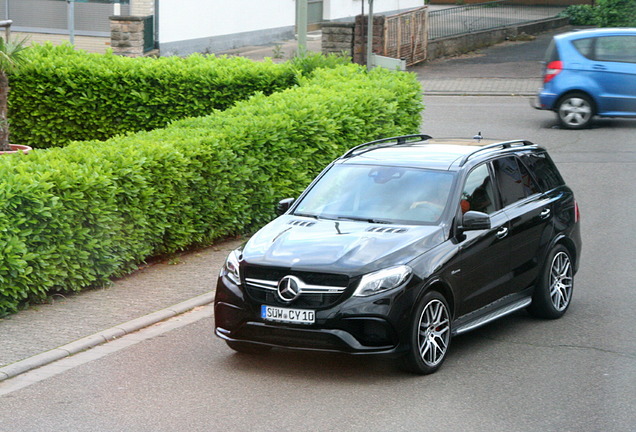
(356,325)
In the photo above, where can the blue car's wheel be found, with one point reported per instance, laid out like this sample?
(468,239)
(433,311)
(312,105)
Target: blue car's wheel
(575,111)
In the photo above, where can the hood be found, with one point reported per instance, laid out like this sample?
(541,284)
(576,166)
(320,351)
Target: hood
(348,247)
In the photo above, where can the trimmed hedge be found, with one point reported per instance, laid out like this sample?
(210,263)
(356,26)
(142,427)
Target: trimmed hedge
(74,217)
(61,95)
(603,13)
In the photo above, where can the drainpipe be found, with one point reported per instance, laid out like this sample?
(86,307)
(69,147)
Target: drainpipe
(370,35)
(71,20)
(301,23)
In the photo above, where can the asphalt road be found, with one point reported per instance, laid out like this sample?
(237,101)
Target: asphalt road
(518,374)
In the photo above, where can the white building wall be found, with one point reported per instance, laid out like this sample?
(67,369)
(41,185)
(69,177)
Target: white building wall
(192,19)
(142,7)
(340,9)
(187,26)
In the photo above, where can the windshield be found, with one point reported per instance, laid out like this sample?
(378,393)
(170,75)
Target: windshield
(380,194)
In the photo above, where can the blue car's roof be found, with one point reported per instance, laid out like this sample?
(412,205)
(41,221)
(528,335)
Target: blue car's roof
(581,34)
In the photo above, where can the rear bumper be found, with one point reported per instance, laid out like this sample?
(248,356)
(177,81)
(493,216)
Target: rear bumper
(543,100)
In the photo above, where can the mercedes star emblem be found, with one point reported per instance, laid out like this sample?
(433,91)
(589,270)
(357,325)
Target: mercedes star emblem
(289,288)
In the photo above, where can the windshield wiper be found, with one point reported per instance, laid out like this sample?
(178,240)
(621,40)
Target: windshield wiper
(307,215)
(370,220)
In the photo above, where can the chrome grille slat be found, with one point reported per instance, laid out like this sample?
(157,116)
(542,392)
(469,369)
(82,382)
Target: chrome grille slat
(319,290)
(306,288)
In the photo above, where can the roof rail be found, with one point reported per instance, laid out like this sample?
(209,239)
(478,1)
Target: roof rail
(384,142)
(503,145)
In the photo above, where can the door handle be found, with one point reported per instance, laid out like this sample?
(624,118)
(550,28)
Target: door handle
(599,67)
(502,233)
(545,214)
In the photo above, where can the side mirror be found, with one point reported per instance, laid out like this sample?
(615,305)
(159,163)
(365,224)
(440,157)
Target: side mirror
(284,205)
(474,220)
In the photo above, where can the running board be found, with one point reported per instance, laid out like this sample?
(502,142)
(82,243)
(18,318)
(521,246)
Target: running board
(485,319)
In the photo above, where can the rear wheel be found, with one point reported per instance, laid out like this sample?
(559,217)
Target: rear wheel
(553,294)
(429,335)
(575,111)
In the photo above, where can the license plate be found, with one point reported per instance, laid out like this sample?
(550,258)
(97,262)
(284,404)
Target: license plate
(295,316)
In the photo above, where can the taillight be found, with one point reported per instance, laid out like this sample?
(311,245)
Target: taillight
(552,69)
(577,213)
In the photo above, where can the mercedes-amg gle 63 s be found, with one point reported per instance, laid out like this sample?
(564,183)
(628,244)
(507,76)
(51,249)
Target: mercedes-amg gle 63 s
(402,243)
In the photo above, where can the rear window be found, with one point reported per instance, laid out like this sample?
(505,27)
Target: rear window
(544,170)
(585,47)
(551,54)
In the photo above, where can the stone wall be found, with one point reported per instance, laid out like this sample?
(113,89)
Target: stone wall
(127,36)
(456,45)
(350,38)
(337,38)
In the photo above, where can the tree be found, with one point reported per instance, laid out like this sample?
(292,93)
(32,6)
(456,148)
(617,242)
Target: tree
(10,57)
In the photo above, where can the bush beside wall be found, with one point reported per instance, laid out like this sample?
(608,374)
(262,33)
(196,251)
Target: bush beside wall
(62,95)
(72,218)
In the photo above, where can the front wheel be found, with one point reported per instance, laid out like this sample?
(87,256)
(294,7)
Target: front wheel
(575,111)
(553,293)
(430,335)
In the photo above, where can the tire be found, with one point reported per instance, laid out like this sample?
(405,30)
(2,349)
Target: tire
(575,111)
(248,348)
(553,294)
(430,335)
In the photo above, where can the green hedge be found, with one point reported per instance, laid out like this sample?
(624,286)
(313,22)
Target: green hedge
(71,218)
(603,13)
(61,94)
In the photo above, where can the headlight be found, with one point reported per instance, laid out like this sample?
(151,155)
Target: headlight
(231,267)
(383,280)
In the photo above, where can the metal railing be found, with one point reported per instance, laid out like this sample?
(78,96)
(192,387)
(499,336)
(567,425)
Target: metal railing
(472,18)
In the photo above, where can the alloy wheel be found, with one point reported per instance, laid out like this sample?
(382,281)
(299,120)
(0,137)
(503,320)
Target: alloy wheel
(434,333)
(561,281)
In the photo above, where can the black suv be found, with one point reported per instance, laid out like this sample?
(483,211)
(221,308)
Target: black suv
(402,243)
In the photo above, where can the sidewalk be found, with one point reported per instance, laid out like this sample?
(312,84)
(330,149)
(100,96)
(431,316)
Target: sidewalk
(71,323)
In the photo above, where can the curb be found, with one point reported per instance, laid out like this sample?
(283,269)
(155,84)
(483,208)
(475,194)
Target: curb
(102,337)
(476,93)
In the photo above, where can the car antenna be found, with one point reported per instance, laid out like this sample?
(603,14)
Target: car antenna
(478,137)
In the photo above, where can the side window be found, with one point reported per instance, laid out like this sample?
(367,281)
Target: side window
(478,193)
(585,47)
(544,170)
(616,49)
(514,181)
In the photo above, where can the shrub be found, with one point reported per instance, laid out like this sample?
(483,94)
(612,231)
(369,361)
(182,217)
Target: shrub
(580,15)
(605,13)
(73,217)
(62,95)
(616,13)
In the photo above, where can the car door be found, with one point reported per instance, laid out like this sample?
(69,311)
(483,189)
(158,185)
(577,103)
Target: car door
(484,263)
(530,215)
(614,71)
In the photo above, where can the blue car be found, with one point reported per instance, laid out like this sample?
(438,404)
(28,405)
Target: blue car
(590,73)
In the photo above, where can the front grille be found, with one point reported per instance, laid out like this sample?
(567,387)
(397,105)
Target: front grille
(322,290)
